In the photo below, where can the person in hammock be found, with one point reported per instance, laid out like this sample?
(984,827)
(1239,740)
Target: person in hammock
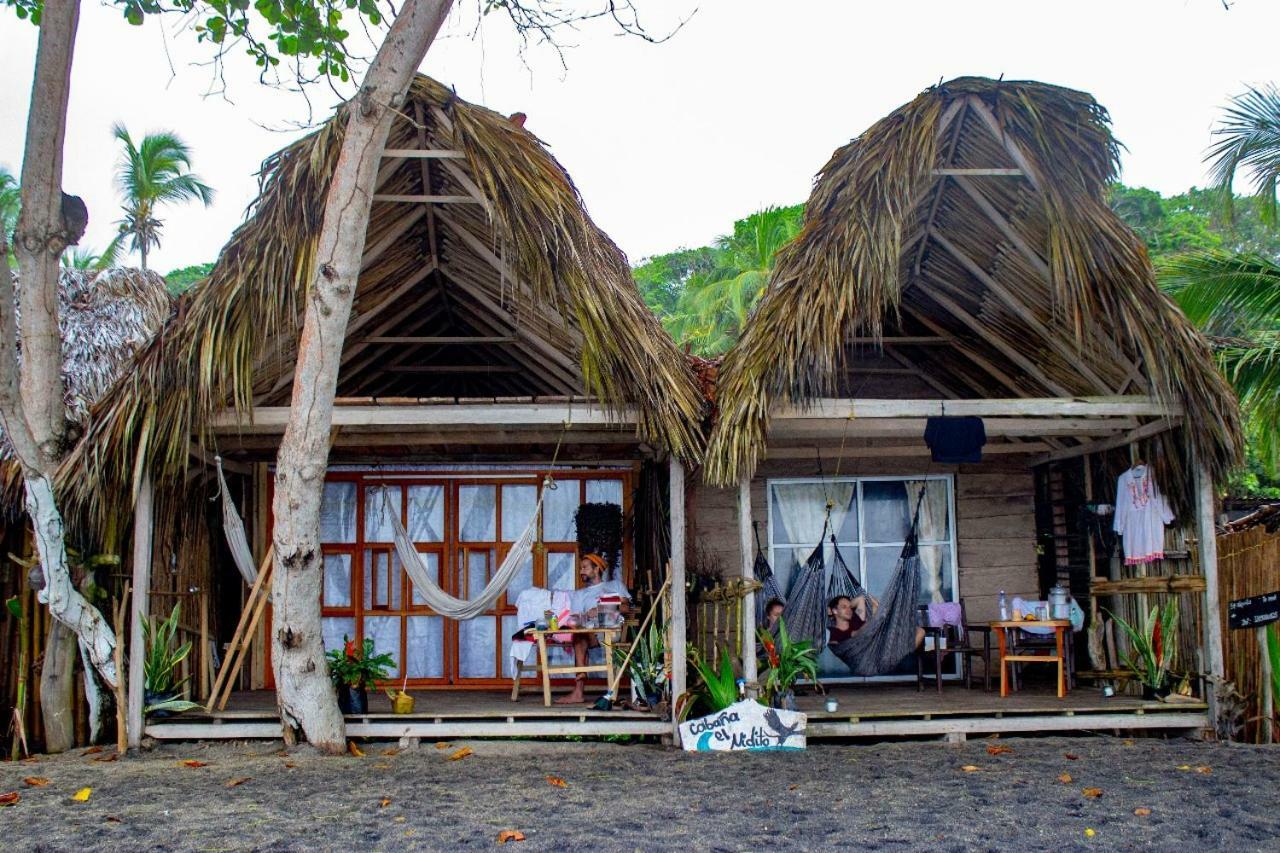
(593,570)
(849,615)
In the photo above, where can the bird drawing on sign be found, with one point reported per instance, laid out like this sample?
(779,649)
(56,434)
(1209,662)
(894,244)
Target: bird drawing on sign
(777,728)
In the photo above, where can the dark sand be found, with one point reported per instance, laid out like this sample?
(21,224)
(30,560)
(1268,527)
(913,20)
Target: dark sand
(639,797)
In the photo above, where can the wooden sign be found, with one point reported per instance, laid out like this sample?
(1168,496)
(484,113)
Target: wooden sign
(745,725)
(1254,611)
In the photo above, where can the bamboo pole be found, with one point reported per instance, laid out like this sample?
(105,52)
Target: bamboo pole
(122,723)
(748,605)
(1208,535)
(679,658)
(204,645)
(143,521)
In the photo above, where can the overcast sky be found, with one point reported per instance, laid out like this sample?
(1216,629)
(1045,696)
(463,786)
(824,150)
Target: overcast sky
(670,143)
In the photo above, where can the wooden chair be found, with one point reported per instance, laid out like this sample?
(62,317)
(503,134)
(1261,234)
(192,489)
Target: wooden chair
(959,641)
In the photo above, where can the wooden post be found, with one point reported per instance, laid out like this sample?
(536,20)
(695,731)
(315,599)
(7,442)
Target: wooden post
(1207,533)
(749,673)
(143,528)
(679,662)
(1267,700)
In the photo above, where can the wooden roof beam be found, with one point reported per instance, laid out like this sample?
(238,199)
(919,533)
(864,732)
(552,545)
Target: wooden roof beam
(273,419)
(954,112)
(1093,407)
(1145,431)
(441,340)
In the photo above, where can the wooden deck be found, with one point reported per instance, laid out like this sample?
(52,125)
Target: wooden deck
(864,711)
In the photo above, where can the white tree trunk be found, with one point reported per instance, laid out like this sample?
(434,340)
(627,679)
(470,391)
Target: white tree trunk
(304,693)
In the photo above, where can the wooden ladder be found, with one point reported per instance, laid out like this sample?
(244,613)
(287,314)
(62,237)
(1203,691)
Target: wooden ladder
(250,616)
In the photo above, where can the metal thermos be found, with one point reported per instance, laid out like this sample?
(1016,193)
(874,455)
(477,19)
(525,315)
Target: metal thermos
(1059,602)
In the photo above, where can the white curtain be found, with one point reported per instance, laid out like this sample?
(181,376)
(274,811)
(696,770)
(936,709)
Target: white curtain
(933,527)
(802,508)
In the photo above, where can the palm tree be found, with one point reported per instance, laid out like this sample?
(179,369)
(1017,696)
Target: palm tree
(1235,298)
(715,304)
(152,173)
(1248,138)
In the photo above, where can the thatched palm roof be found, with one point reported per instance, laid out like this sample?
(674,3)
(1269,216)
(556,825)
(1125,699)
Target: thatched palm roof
(1036,287)
(104,317)
(486,238)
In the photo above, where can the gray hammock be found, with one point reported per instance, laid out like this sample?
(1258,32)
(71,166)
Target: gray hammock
(764,574)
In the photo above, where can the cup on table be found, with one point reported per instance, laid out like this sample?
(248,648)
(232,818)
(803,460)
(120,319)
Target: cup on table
(832,704)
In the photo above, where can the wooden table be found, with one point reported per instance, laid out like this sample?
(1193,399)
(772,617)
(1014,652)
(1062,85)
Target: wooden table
(1060,628)
(606,641)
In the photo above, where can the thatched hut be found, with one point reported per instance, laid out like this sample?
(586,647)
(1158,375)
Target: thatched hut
(105,317)
(496,333)
(958,258)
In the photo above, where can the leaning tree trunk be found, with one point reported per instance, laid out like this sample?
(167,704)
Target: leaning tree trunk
(304,694)
(31,408)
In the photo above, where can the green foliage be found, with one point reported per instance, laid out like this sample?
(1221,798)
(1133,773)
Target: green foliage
(717,687)
(160,663)
(1273,654)
(648,666)
(1153,649)
(662,278)
(1193,220)
(357,666)
(181,280)
(788,661)
(1248,139)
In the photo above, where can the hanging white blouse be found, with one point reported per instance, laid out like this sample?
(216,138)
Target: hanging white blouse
(1141,514)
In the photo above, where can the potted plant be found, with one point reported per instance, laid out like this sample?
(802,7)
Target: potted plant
(160,685)
(648,664)
(353,668)
(1153,648)
(788,661)
(717,688)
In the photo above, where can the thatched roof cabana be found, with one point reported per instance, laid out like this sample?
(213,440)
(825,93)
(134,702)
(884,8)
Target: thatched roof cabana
(483,276)
(967,236)
(104,318)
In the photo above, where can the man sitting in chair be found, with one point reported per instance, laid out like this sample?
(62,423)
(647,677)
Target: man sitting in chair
(592,569)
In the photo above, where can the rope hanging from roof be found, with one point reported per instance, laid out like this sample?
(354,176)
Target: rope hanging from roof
(233,528)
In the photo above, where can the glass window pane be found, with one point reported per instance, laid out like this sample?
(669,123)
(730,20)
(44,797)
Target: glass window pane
(382,574)
(845,514)
(558,510)
(880,565)
(885,511)
(604,492)
(377,513)
(799,513)
(385,633)
(478,570)
(432,564)
(333,630)
(508,628)
(477,644)
(522,580)
(426,513)
(517,510)
(424,639)
(337,580)
(560,571)
(338,513)
(476,510)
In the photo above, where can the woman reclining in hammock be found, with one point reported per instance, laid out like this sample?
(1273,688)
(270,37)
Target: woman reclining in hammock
(849,615)
(592,568)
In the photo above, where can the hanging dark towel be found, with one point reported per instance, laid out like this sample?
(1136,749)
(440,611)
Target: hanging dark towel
(955,440)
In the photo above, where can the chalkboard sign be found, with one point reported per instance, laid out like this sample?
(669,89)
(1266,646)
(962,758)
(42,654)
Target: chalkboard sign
(1254,611)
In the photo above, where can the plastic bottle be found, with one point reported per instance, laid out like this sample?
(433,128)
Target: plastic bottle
(1004,607)
(742,689)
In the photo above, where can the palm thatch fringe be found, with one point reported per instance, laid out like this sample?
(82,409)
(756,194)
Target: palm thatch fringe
(873,253)
(234,334)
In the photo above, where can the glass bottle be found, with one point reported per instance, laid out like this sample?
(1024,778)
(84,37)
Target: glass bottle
(1004,607)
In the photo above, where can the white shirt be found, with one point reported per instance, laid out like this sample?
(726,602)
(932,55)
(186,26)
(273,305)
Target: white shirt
(582,600)
(1141,514)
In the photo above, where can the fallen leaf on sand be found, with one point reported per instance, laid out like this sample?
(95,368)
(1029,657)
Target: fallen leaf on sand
(35,781)
(384,802)
(236,782)
(1091,793)
(1070,756)
(1141,812)
(792,787)
(999,749)
(510,835)
(192,762)
(1127,742)
(460,754)
(440,744)
(392,751)
(399,818)
(290,765)
(1089,833)
(1204,769)
(10,798)
(970,768)
(113,819)
(557,781)
(92,750)
(1183,767)
(110,756)
(354,750)
(82,796)
(1064,778)
(382,765)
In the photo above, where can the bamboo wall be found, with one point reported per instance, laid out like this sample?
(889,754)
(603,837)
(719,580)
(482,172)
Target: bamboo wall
(1248,564)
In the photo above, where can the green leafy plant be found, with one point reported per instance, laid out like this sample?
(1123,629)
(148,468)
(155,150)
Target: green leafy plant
(1154,647)
(648,665)
(1273,652)
(357,666)
(788,661)
(160,665)
(717,687)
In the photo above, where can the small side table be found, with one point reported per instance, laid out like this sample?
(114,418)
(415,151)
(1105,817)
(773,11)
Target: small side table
(606,635)
(1060,628)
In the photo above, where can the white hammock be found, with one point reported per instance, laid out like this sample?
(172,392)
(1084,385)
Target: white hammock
(439,600)
(233,527)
